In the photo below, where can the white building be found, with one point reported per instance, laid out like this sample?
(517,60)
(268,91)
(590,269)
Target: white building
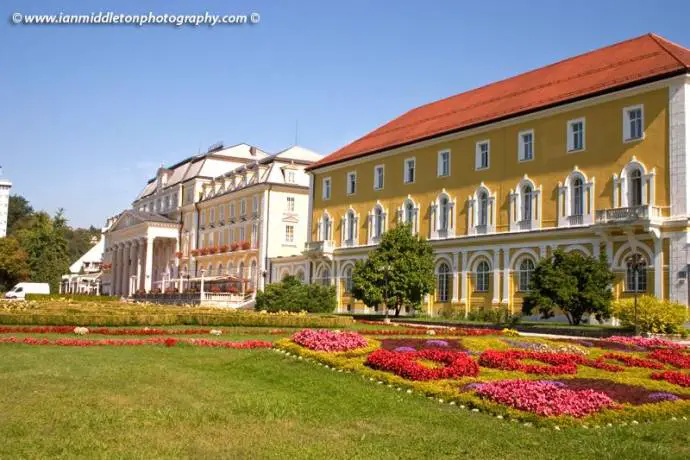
(215,217)
(5,187)
(86,273)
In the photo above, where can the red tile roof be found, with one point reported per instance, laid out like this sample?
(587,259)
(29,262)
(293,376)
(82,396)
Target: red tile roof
(632,62)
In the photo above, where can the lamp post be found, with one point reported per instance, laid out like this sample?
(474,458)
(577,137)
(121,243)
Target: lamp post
(385,269)
(635,262)
(202,282)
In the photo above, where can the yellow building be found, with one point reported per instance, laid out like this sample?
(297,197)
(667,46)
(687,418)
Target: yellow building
(589,154)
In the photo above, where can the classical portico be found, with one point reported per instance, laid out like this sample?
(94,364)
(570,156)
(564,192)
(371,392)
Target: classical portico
(142,249)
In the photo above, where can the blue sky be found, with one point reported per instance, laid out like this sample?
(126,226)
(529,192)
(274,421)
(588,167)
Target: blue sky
(87,113)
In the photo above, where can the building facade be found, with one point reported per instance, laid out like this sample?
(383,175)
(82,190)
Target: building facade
(214,218)
(589,154)
(5,187)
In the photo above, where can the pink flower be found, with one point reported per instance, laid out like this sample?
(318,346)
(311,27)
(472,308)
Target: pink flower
(331,341)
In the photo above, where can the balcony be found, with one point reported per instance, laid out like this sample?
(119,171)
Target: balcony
(481,229)
(576,220)
(629,214)
(318,249)
(524,225)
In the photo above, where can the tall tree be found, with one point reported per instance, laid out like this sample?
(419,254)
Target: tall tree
(45,244)
(398,273)
(18,210)
(13,263)
(573,283)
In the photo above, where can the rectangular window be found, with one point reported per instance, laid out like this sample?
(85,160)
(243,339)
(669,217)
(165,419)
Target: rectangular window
(203,217)
(212,219)
(633,123)
(289,233)
(243,208)
(326,192)
(221,214)
(255,204)
(290,177)
(443,163)
(481,155)
(290,204)
(232,210)
(526,145)
(576,135)
(242,233)
(378,177)
(409,170)
(351,183)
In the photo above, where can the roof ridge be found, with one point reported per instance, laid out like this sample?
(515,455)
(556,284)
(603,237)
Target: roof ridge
(663,43)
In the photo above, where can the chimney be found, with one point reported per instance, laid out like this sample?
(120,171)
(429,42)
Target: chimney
(252,150)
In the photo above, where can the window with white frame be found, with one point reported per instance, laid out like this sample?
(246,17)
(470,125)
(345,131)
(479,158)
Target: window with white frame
(231,210)
(525,273)
(378,177)
(633,123)
(635,188)
(203,217)
(351,183)
(325,228)
(326,188)
(212,218)
(289,233)
(578,197)
(636,281)
(255,235)
(482,155)
(350,226)
(347,279)
(221,214)
(444,282)
(483,208)
(378,222)
(576,135)
(482,277)
(290,204)
(290,177)
(243,207)
(444,214)
(526,145)
(409,213)
(526,198)
(409,170)
(255,204)
(443,163)
(242,233)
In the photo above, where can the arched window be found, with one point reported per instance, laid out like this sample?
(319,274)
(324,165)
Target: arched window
(578,197)
(325,227)
(525,272)
(231,268)
(483,212)
(240,271)
(636,281)
(350,225)
(482,276)
(444,282)
(300,275)
(635,190)
(409,213)
(253,273)
(526,202)
(378,222)
(324,276)
(444,217)
(347,279)
(220,269)
(209,270)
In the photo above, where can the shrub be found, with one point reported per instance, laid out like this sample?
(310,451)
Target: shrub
(653,315)
(291,295)
(499,316)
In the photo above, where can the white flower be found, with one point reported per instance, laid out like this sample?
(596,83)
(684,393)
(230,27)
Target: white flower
(81,330)
(215,332)
(431,332)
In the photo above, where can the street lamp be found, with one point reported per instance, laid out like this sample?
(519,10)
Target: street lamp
(636,263)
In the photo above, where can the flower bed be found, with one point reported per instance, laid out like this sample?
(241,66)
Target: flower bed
(547,348)
(420,344)
(645,343)
(675,358)
(407,365)
(545,398)
(631,361)
(169,341)
(326,340)
(675,377)
(115,331)
(444,332)
(558,363)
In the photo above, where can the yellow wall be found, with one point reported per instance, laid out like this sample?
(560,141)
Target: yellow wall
(605,154)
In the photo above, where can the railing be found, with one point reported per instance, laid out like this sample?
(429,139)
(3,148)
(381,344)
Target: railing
(525,225)
(576,220)
(325,246)
(628,214)
(481,229)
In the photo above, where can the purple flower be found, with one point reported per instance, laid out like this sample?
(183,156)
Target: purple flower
(554,383)
(404,349)
(663,396)
(473,386)
(436,343)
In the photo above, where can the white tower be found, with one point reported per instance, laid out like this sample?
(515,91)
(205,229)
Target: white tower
(5,187)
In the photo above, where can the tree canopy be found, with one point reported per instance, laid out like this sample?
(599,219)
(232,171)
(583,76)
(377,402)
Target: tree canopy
(575,284)
(13,263)
(398,273)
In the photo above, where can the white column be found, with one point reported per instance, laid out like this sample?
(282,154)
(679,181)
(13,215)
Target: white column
(121,270)
(148,268)
(113,269)
(463,279)
(609,252)
(455,277)
(131,286)
(140,264)
(658,268)
(506,277)
(496,278)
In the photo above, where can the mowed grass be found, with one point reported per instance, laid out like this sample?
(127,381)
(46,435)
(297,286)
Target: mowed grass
(190,402)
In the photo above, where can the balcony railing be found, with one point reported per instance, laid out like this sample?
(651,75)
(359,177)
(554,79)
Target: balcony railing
(525,225)
(629,214)
(322,247)
(576,220)
(481,229)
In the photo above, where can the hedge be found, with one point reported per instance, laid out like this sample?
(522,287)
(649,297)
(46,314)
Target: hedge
(73,297)
(169,319)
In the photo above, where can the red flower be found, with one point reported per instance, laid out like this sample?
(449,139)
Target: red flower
(234,246)
(558,363)
(676,358)
(674,377)
(170,342)
(631,361)
(406,364)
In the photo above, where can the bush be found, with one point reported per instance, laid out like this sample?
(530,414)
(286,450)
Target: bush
(294,296)
(653,315)
(73,297)
(498,316)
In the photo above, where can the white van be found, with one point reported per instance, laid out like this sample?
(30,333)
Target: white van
(22,289)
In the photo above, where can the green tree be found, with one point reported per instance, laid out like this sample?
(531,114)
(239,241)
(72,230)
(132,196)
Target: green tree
(292,295)
(46,247)
(18,210)
(573,283)
(13,263)
(398,273)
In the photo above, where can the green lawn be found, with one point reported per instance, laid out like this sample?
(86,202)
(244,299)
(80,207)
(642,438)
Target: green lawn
(151,401)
